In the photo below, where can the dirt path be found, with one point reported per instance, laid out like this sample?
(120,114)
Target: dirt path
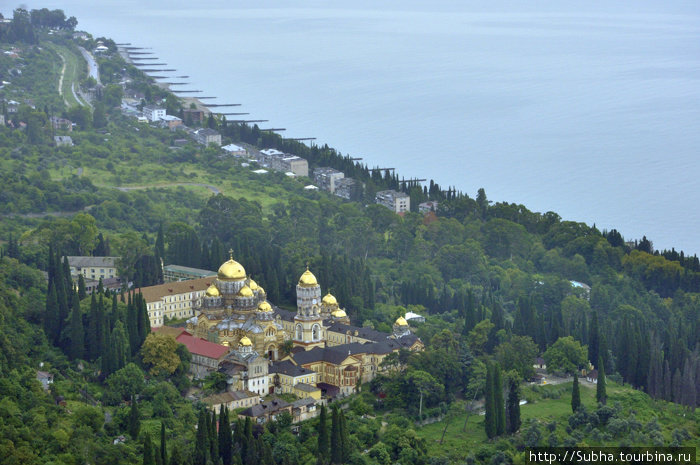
(214,189)
(60,80)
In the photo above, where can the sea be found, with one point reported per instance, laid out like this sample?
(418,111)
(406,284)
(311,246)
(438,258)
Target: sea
(587,108)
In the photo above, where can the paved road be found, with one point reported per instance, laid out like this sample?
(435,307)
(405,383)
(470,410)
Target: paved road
(93,69)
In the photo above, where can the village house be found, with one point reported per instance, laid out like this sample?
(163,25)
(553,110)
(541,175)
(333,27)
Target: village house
(93,267)
(267,411)
(232,400)
(63,141)
(206,136)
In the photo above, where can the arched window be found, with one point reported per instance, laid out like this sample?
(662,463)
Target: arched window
(299,332)
(316,332)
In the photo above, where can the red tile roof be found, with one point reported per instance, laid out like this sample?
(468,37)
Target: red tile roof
(202,347)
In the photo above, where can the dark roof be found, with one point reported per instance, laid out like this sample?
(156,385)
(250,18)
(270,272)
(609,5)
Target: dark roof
(365,333)
(286,367)
(305,387)
(285,314)
(408,340)
(337,354)
(328,390)
(269,406)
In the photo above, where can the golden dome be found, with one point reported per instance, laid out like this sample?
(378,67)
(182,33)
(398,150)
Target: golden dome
(308,279)
(401,321)
(212,291)
(245,292)
(261,290)
(253,285)
(245,341)
(264,306)
(329,300)
(339,314)
(231,270)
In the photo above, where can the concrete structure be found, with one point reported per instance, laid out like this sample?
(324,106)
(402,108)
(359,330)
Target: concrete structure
(172,273)
(174,300)
(245,369)
(291,164)
(206,356)
(235,150)
(285,376)
(305,409)
(410,316)
(232,400)
(206,136)
(63,141)
(326,178)
(61,124)
(93,267)
(348,189)
(45,378)
(171,121)
(429,206)
(399,202)
(267,411)
(153,113)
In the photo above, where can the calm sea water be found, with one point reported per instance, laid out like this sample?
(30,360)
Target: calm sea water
(587,108)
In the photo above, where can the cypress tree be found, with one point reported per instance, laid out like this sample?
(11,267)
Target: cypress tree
(176,456)
(336,440)
(52,313)
(575,395)
(160,243)
(323,439)
(593,338)
(600,394)
(163,449)
(144,323)
(513,408)
(499,402)
(225,446)
(148,451)
(92,343)
(134,420)
(201,448)
(213,439)
(77,331)
(344,438)
(120,346)
(490,404)
(81,287)
(62,297)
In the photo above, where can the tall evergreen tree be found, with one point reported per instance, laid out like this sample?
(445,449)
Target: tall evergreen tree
(94,321)
(225,445)
(148,458)
(490,403)
(600,393)
(323,439)
(499,402)
(213,440)
(51,315)
(513,408)
(160,243)
(134,420)
(120,346)
(575,395)
(77,332)
(201,447)
(344,438)
(176,455)
(82,293)
(336,440)
(593,338)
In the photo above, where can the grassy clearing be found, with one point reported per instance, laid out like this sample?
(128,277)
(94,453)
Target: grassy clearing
(549,404)
(71,74)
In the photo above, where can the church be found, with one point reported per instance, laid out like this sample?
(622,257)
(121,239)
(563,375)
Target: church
(234,309)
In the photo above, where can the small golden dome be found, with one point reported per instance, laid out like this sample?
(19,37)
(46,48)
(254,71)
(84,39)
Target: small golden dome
(401,321)
(253,285)
(339,314)
(212,291)
(231,270)
(329,300)
(245,292)
(264,306)
(245,341)
(308,279)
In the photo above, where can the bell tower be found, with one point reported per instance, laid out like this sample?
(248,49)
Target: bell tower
(308,327)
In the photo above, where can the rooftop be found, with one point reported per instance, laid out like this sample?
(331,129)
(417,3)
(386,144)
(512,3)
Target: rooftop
(82,261)
(198,346)
(228,396)
(156,293)
(286,367)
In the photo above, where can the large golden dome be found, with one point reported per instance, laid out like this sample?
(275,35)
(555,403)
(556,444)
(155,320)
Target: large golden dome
(401,321)
(245,341)
(245,292)
(212,291)
(329,300)
(264,306)
(231,270)
(308,279)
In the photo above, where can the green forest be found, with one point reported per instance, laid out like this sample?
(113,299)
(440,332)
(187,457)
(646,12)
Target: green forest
(499,285)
